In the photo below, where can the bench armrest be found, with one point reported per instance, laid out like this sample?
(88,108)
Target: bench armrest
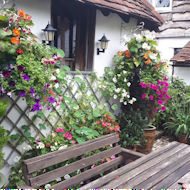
(129,155)
(25,187)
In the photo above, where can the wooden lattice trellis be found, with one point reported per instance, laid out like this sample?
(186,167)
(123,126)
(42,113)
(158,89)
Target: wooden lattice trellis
(18,115)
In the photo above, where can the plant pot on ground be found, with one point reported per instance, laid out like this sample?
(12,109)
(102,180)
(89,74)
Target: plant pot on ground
(149,137)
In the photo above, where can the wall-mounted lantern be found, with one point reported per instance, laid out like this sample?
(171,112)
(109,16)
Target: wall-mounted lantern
(103,44)
(49,33)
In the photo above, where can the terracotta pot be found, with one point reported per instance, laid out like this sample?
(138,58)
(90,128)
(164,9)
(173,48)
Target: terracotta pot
(182,138)
(149,135)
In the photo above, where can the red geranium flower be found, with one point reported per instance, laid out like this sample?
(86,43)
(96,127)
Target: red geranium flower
(20,51)
(48,145)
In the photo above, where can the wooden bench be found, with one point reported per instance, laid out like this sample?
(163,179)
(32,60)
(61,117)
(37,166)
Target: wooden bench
(82,163)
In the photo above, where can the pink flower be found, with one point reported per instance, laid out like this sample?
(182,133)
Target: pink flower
(93,166)
(160,102)
(151,97)
(61,98)
(111,145)
(158,92)
(113,157)
(163,108)
(59,130)
(143,96)
(38,140)
(66,135)
(69,137)
(167,97)
(74,142)
(102,161)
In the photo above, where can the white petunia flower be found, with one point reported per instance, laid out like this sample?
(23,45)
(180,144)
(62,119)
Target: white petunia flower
(56,85)
(128,84)
(58,179)
(121,100)
(125,103)
(153,56)
(114,80)
(134,99)
(124,94)
(67,176)
(53,77)
(53,148)
(118,75)
(128,96)
(115,96)
(57,71)
(125,80)
(138,37)
(40,145)
(146,46)
(150,36)
(117,90)
(47,186)
(126,38)
(56,144)
(62,147)
(124,72)
(131,101)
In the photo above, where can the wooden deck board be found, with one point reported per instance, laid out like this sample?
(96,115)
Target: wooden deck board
(155,169)
(136,171)
(162,174)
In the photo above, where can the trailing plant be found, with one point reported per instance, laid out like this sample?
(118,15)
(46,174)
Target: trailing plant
(138,73)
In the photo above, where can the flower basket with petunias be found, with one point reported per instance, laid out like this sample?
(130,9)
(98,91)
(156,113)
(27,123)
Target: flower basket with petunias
(138,74)
(27,67)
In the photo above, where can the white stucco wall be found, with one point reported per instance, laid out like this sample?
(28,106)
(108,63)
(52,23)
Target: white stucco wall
(40,12)
(114,29)
(166,47)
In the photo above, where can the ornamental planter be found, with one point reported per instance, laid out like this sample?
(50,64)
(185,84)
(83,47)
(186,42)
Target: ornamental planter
(149,136)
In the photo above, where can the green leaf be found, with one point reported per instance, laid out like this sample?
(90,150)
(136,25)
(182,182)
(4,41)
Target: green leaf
(40,114)
(78,114)
(27,134)
(66,68)
(137,63)
(78,71)
(3,18)
(25,128)
(96,113)
(114,107)
(63,106)
(61,74)
(15,137)
(78,79)
(42,126)
(80,140)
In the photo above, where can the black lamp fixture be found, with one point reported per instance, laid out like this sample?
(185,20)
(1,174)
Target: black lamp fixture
(49,33)
(103,44)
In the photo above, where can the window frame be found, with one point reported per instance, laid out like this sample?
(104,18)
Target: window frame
(162,9)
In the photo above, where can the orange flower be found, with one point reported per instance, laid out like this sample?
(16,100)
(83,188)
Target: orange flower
(120,53)
(149,52)
(146,56)
(15,40)
(16,32)
(148,61)
(127,53)
(108,159)
(21,13)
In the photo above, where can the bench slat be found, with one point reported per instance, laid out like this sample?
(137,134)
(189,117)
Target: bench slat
(109,177)
(87,174)
(44,161)
(62,171)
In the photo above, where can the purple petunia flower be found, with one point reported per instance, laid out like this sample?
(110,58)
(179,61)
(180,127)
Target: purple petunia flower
(3,91)
(12,83)
(22,93)
(25,77)
(44,90)
(32,91)
(51,99)
(47,85)
(37,100)
(11,66)
(36,107)
(6,74)
(48,107)
(20,68)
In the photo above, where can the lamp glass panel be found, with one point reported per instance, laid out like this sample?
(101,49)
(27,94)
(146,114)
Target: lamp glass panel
(104,45)
(51,36)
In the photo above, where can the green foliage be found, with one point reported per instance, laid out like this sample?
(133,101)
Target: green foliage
(3,141)
(3,107)
(132,128)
